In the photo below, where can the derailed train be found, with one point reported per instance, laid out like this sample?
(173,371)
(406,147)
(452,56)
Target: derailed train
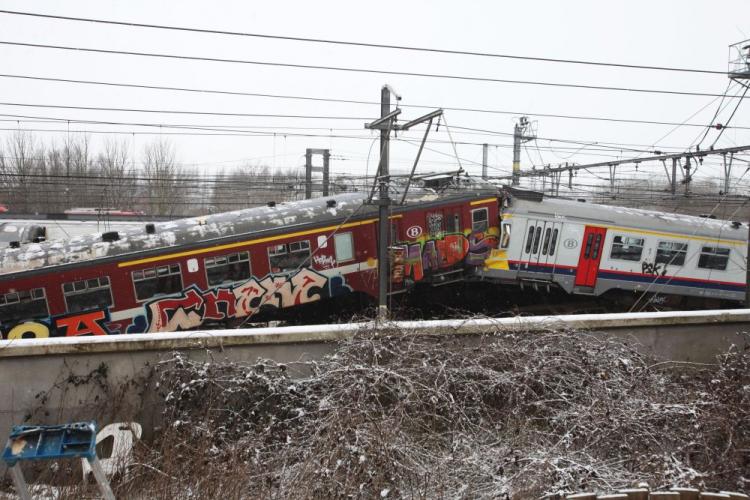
(234,267)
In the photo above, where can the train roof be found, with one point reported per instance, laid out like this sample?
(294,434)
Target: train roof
(216,228)
(649,220)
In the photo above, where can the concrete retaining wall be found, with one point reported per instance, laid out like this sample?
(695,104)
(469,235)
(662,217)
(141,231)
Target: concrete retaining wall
(50,379)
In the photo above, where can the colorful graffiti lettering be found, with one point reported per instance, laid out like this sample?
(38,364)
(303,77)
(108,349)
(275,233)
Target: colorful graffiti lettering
(194,306)
(416,260)
(93,322)
(86,323)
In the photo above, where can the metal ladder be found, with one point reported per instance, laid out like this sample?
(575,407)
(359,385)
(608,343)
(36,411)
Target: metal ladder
(53,442)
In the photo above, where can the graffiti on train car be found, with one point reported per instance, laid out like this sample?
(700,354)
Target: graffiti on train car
(416,260)
(193,307)
(91,322)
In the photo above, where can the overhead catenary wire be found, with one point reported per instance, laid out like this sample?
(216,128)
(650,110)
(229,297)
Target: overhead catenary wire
(361,44)
(360,102)
(350,69)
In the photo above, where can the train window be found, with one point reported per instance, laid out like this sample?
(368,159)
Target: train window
(505,239)
(537,237)
(344,244)
(290,257)
(87,294)
(671,253)
(627,248)
(26,304)
(589,241)
(529,239)
(553,242)
(435,223)
(154,281)
(227,268)
(453,223)
(479,220)
(597,247)
(714,258)
(547,235)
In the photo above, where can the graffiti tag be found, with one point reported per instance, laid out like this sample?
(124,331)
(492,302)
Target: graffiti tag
(653,268)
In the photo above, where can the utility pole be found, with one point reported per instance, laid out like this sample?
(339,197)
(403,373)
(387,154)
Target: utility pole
(519,137)
(484,161)
(384,208)
(674,176)
(687,175)
(387,123)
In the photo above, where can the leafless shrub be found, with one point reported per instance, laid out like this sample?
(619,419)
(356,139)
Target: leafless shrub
(508,415)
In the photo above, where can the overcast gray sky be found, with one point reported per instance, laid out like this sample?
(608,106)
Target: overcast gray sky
(689,34)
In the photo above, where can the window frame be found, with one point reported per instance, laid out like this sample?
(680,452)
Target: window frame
(454,219)
(32,292)
(642,245)
(529,239)
(505,233)
(156,275)
(670,261)
(336,246)
(75,292)
(301,246)
(485,221)
(714,254)
(207,266)
(553,242)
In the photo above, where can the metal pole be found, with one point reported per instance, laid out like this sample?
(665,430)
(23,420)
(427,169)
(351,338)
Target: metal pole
(308,174)
(383,210)
(747,270)
(687,175)
(517,133)
(484,161)
(674,176)
(326,159)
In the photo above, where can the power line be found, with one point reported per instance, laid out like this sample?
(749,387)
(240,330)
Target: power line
(365,44)
(181,112)
(359,70)
(351,101)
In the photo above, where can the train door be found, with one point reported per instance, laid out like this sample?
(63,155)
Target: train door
(539,249)
(547,255)
(591,254)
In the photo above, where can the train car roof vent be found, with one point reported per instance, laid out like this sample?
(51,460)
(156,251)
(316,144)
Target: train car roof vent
(271,204)
(110,236)
(736,224)
(707,216)
(38,239)
(581,200)
(150,229)
(14,244)
(331,203)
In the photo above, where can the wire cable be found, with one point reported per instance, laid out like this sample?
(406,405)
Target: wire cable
(362,44)
(357,70)
(350,101)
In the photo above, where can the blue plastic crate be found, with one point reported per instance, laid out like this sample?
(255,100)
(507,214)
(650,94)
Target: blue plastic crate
(47,442)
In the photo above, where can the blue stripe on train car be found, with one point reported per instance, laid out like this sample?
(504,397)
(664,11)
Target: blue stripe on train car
(668,280)
(542,268)
(638,278)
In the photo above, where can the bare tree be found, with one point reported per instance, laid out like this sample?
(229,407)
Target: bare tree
(117,179)
(163,196)
(19,168)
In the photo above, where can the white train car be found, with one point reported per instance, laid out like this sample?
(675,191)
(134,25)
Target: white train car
(596,249)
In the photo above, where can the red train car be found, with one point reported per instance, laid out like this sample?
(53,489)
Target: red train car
(227,268)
